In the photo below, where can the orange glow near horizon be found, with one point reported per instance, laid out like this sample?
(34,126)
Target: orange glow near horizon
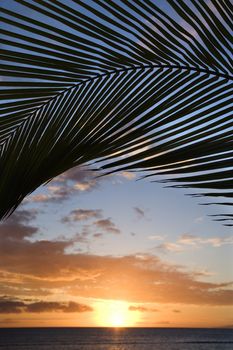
(115,314)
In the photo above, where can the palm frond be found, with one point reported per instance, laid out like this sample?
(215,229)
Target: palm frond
(127,85)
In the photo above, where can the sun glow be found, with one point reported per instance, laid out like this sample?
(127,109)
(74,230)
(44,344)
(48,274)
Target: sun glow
(115,314)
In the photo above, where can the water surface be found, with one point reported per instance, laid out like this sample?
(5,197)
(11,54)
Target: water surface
(115,339)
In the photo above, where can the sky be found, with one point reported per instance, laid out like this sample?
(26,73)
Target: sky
(114,251)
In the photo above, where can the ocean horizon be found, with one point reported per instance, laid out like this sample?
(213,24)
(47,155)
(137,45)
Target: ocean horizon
(109,338)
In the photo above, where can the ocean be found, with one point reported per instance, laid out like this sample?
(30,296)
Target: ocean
(115,339)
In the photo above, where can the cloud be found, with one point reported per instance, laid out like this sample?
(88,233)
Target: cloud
(72,182)
(77,174)
(48,306)
(142,309)
(176,311)
(98,235)
(17,227)
(56,194)
(38,198)
(8,306)
(139,212)
(199,219)
(29,267)
(188,239)
(170,247)
(79,238)
(127,175)
(156,237)
(107,225)
(82,215)
(64,186)
(140,278)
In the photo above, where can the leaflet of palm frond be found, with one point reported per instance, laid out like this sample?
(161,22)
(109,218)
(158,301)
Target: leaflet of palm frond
(218,203)
(121,84)
(223,218)
(230,216)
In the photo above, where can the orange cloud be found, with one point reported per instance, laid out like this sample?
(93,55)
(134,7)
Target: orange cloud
(127,175)
(47,266)
(142,309)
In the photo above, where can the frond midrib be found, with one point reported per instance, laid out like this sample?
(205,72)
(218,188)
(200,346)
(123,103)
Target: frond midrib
(127,69)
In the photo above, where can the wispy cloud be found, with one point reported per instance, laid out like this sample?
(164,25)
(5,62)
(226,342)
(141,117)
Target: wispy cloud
(176,311)
(188,239)
(199,219)
(141,308)
(169,246)
(156,237)
(192,241)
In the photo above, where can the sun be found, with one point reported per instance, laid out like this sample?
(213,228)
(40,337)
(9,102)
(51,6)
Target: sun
(115,314)
(117,319)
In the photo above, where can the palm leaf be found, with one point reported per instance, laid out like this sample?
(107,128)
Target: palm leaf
(125,85)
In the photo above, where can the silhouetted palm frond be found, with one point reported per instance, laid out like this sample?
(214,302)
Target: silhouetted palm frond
(132,84)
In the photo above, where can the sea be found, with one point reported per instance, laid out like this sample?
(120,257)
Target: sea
(115,339)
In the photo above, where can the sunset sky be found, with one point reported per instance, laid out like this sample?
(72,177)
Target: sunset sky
(113,251)
(117,250)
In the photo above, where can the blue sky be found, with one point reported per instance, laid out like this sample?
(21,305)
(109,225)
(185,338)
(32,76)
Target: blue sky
(151,219)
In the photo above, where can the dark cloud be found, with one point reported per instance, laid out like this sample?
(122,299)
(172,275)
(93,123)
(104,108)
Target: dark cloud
(11,306)
(107,225)
(176,311)
(53,306)
(82,215)
(98,235)
(22,216)
(17,227)
(142,309)
(139,212)
(15,306)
